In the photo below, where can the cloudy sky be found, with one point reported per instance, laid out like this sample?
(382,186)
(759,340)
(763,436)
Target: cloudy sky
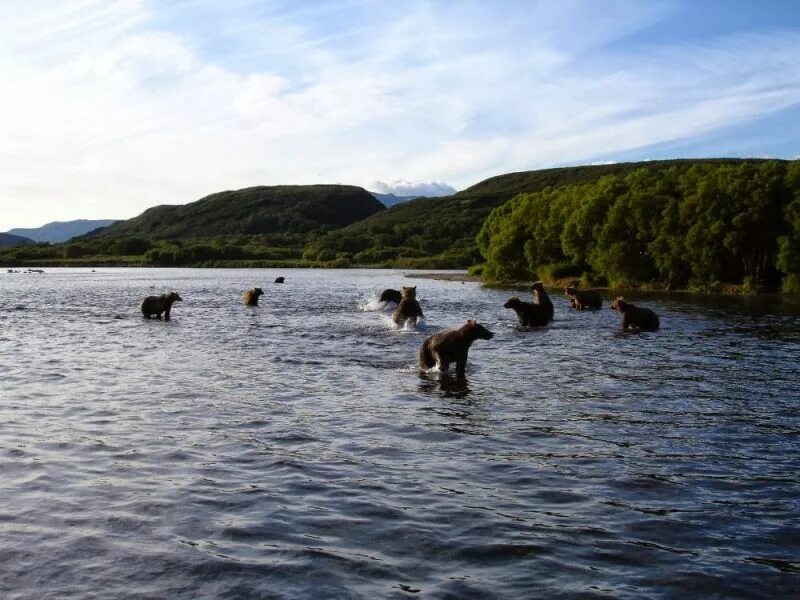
(107,108)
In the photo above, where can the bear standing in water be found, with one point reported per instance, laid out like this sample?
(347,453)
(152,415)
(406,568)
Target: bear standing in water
(251,296)
(580,299)
(408,309)
(541,298)
(390,295)
(451,346)
(528,313)
(155,305)
(636,317)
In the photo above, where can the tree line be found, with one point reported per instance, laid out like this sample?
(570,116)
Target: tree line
(699,226)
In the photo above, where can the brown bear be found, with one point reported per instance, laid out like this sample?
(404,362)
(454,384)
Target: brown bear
(155,305)
(251,296)
(451,346)
(580,299)
(408,309)
(635,317)
(528,313)
(390,295)
(280,279)
(541,298)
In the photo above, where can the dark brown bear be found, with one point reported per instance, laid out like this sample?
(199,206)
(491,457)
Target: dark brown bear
(528,313)
(280,279)
(580,299)
(251,296)
(155,305)
(451,346)
(541,298)
(408,309)
(390,295)
(635,317)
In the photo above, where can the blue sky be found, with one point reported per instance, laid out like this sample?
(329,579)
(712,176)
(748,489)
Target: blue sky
(108,108)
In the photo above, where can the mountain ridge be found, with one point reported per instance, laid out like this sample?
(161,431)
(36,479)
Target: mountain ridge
(60,231)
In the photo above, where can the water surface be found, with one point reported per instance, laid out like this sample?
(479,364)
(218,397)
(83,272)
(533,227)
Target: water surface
(293,450)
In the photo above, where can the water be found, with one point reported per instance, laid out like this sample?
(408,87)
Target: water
(294,450)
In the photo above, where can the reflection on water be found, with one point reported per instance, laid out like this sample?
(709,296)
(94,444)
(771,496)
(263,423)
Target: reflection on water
(295,450)
(449,384)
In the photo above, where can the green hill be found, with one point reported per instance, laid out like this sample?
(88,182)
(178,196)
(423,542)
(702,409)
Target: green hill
(285,210)
(257,226)
(441,232)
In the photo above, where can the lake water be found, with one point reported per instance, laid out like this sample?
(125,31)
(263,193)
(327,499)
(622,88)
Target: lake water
(293,450)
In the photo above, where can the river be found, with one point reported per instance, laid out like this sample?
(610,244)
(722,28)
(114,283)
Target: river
(294,450)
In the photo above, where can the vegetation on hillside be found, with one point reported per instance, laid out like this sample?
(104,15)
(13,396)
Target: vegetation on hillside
(701,224)
(259,226)
(697,225)
(289,212)
(441,232)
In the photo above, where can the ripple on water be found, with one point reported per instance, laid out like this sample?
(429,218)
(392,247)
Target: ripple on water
(294,450)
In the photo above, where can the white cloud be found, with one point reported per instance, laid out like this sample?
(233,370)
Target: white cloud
(399,187)
(107,109)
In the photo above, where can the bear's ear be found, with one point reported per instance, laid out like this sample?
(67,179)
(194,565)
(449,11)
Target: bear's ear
(470,322)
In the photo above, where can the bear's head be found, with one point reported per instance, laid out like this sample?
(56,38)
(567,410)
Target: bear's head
(410,292)
(173,297)
(258,291)
(513,302)
(538,286)
(619,304)
(478,331)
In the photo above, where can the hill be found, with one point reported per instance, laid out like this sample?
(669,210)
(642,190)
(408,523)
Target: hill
(61,231)
(9,240)
(289,209)
(440,232)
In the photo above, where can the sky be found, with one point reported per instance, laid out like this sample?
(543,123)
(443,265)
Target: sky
(108,108)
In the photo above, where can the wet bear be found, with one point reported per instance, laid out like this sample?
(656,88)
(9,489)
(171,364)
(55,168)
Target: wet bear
(541,298)
(451,346)
(528,313)
(251,296)
(408,309)
(390,295)
(155,305)
(580,299)
(280,279)
(635,317)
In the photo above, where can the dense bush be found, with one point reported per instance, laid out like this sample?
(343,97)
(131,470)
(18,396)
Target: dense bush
(684,225)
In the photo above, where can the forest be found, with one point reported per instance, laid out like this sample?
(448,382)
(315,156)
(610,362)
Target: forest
(697,226)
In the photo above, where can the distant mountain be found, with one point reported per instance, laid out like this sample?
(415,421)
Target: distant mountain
(283,209)
(61,231)
(390,199)
(9,240)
